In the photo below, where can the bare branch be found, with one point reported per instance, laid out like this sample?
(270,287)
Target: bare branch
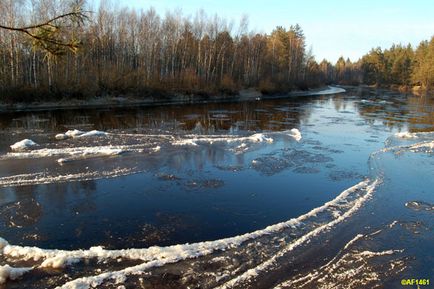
(47,34)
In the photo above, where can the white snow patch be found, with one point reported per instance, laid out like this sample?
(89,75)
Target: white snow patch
(11,273)
(424,145)
(406,135)
(383,253)
(120,279)
(23,145)
(61,136)
(259,137)
(219,259)
(385,102)
(222,276)
(63,160)
(74,133)
(75,152)
(242,148)
(156,149)
(194,140)
(391,225)
(93,133)
(336,214)
(295,133)
(184,142)
(352,241)
(42,178)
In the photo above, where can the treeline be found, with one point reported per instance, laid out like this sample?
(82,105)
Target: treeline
(126,51)
(140,53)
(397,66)
(401,65)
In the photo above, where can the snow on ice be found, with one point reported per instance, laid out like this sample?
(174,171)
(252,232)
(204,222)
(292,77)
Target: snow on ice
(23,145)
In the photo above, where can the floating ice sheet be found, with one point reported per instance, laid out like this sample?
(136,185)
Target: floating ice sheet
(23,145)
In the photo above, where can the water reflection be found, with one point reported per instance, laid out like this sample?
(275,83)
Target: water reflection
(211,116)
(178,193)
(392,108)
(400,111)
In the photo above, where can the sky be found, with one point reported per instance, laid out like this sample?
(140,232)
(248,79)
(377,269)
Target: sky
(333,28)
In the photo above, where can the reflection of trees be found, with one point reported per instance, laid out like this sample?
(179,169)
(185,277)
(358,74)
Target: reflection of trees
(212,116)
(194,160)
(267,115)
(423,107)
(417,113)
(64,196)
(339,103)
(25,121)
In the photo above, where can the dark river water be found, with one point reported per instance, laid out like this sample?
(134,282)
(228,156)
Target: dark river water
(320,191)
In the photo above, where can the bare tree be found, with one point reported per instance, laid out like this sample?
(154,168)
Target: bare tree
(130,51)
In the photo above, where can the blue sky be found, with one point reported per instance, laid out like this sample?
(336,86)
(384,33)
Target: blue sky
(332,27)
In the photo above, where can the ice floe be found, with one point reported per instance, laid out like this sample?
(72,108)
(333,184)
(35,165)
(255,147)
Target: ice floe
(45,178)
(25,144)
(427,146)
(410,142)
(11,273)
(156,149)
(406,135)
(108,151)
(295,133)
(258,137)
(75,152)
(93,133)
(75,133)
(420,206)
(60,136)
(195,140)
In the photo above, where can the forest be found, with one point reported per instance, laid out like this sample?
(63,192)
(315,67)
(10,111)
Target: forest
(115,51)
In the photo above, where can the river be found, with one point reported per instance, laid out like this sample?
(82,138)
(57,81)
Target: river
(333,190)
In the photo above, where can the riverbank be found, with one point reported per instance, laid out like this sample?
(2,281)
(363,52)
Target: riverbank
(250,94)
